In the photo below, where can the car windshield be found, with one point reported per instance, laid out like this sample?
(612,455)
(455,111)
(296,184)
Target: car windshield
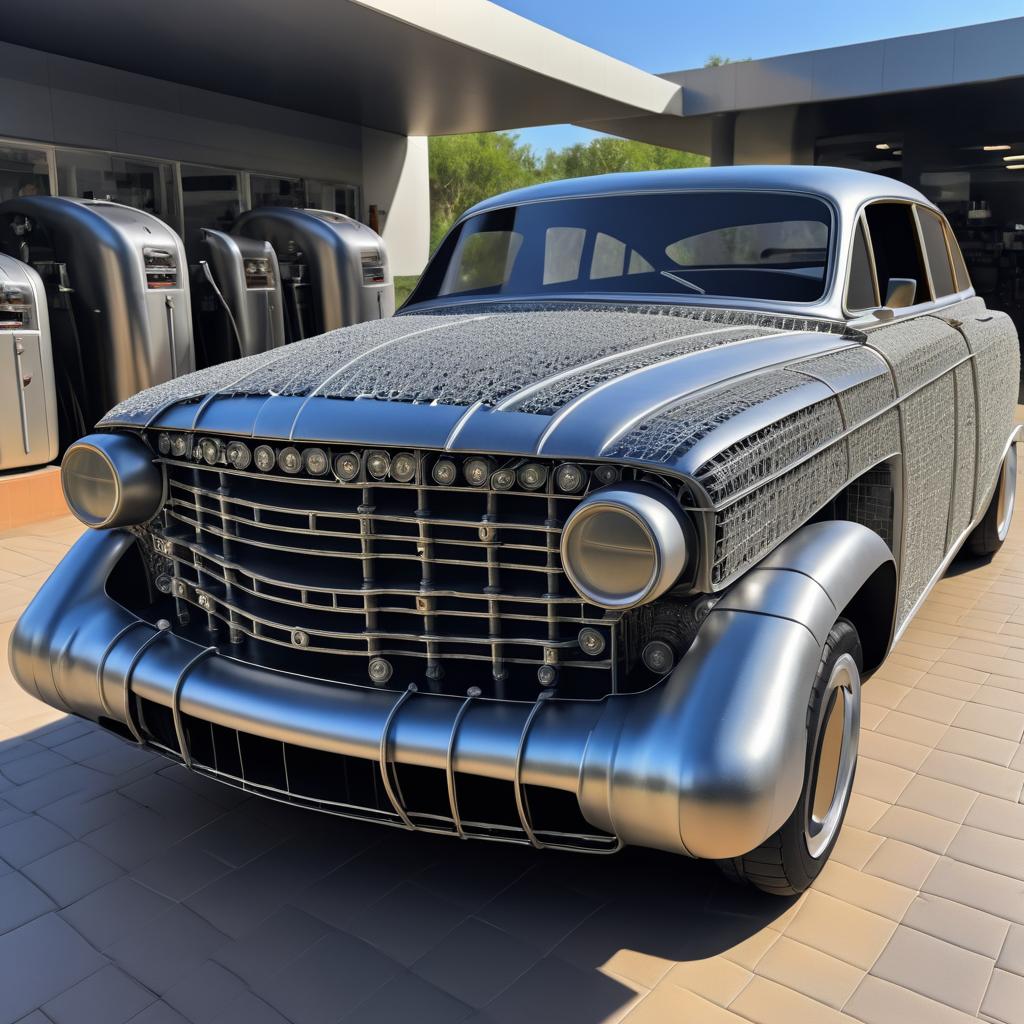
(754,245)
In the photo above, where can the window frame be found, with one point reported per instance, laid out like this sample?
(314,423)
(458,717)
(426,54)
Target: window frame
(861,227)
(919,306)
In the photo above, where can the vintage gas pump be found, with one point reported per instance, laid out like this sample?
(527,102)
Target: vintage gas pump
(334,269)
(236,298)
(118,298)
(28,399)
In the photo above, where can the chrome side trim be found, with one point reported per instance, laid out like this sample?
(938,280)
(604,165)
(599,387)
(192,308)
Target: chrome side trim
(385,756)
(539,385)
(348,364)
(179,727)
(118,636)
(129,717)
(517,778)
(449,767)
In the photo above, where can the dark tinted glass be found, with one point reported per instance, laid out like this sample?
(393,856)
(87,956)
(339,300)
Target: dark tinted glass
(935,247)
(860,293)
(894,243)
(963,279)
(746,245)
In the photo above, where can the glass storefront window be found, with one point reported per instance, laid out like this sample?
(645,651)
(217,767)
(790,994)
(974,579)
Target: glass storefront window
(23,172)
(323,195)
(212,198)
(270,190)
(303,193)
(146,185)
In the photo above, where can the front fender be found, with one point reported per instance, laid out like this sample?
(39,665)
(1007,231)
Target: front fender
(712,761)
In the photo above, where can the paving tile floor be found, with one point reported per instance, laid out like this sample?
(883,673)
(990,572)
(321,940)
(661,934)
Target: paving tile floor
(132,891)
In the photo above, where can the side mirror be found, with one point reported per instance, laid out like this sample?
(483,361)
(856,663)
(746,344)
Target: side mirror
(901,291)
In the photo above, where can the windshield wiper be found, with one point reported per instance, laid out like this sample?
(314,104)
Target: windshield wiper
(682,280)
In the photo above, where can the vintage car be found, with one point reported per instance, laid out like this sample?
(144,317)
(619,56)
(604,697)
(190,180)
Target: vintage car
(592,544)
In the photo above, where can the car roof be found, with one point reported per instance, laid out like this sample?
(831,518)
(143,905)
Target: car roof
(848,189)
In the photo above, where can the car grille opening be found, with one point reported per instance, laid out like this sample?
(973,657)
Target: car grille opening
(351,787)
(312,561)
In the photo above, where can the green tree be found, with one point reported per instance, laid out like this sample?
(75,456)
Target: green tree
(467,168)
(609,155)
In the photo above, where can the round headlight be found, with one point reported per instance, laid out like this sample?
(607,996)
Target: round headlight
(403,467)
(111,480)
(316,462)
(626,545)
(163,443)
(346,467)
(238,455)
(179,445)
(289,460)
(210,450)
(264,458)
(378,464)
(444,472)
(503,479)
(533,476)
(477,471)
(569,477)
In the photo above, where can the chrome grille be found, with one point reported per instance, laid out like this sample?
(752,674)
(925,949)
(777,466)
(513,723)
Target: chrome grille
(378,581)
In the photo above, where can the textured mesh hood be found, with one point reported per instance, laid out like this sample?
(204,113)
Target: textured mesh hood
(535,359)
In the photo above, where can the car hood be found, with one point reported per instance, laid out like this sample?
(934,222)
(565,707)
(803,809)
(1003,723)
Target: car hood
(555,380)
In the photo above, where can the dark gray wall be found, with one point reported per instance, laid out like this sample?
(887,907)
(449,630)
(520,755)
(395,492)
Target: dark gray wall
(55,99)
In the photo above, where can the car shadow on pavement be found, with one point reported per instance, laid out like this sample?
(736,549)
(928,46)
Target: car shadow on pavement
(226,906)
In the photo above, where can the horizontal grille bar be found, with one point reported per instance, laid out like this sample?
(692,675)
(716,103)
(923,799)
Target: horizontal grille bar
(340,574)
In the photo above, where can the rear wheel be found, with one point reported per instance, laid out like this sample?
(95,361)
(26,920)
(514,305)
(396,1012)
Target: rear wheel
(988,536)
(788,862)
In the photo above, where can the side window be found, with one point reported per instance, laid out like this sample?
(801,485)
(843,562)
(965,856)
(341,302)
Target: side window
(860,290)
(934,236)
(963,279)
(894,244)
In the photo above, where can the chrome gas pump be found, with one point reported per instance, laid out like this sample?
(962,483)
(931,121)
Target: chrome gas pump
(28,397)
(237,301)
(118,298)
(334,270)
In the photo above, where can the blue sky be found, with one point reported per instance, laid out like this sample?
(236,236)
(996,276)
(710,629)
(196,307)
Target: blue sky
(669,35)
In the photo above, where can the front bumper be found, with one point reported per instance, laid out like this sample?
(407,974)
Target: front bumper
(708,763)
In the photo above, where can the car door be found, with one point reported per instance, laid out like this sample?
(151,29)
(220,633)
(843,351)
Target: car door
(995,366)
(931,366)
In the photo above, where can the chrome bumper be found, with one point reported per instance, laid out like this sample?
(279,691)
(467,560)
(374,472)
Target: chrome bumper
(709,763)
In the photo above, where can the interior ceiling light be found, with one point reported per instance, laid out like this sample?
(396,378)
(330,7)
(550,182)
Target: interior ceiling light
(1014,156)
(995,149)
(882,145)
(1015,167)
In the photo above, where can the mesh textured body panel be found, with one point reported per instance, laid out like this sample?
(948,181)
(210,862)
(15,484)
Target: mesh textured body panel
(929,438)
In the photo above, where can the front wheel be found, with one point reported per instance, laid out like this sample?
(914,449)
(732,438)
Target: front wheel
(788,862)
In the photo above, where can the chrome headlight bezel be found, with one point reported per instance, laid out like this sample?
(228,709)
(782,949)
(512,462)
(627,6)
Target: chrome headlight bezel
(136,481)
(639,510)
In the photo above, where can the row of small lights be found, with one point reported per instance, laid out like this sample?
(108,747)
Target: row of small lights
(478,470)
(1012,161)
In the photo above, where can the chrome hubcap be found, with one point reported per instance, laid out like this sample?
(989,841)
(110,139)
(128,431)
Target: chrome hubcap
(1007,492)
(834,756)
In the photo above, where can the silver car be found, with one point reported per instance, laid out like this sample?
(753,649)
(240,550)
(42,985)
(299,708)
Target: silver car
(592,544)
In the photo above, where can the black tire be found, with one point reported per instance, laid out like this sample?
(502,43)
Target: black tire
(988,536)
(784,864)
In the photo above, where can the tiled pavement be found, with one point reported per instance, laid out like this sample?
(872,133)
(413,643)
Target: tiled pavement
(130,890)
